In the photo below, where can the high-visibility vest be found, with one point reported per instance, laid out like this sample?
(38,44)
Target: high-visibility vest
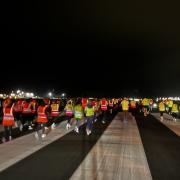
(8,118)
(111,103)
(27,108)
(175,108)
(133,104)
(161,106)
(170,103)
(145,102)
(103,104)
(84,102)
(33,107)
(54,109)
(42,116)
(167,102)
(89,111)
(18,106)
(125,105)
(78,112)
(69,110)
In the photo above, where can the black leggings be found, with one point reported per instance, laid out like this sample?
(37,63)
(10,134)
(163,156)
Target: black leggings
(7,131)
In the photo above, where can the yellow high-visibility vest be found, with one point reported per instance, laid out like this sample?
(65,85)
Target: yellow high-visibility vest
(175,108)
(161,106)
(125,105)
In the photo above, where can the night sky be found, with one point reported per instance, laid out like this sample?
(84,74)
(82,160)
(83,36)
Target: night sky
(97,47)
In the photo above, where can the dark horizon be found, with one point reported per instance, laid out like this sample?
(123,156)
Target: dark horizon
(128,48)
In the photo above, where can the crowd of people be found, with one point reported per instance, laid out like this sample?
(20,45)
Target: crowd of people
(42,115)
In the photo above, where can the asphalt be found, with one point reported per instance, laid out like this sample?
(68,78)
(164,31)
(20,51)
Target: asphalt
(162,148)
(17,133)
(60,159)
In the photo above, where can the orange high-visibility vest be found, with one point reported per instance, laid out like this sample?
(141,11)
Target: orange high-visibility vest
(27,108)
(54,109)
(42,116)
(103,104)
(8,118)
(111,103)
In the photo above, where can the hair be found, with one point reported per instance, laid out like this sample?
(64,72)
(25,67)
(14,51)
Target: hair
(78,102)
(42,103)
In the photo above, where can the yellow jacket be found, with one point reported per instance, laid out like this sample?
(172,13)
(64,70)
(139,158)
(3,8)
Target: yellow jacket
(161,106)
(125,105)
(145,102)
(175,108)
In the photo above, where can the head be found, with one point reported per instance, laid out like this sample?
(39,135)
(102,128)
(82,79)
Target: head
(42,102)
(46,100)
(78,102)
(89,104)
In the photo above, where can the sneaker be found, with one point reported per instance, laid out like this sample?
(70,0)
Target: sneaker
(77,129)
(103,122)
(88,132)
(53,126)
(21,127)
(68,126)
(30,128)
(36,135)
(43,135)
(46,128)
(16,124)
(10,138)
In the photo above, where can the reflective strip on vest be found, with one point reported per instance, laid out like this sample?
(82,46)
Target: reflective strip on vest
(69,112)
(78,114)
(55,113)
(27,110)
(111,104)
(8,117)
(103,107)
(42,115)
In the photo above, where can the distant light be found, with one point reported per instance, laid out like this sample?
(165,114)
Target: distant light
(18,91)
(50,94)
(12,94)
(154,105)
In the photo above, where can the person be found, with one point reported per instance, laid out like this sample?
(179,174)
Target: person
(174,111)
(170,105)
(89,112)
(42,119)
(27,113)
(95,106)
(69,113)
(145,106)
(151,102)
(161,109)
(78,114)
(104,104)
(55,112)
(17,112)
(8,120)
(34,104)
(84,102)
(125,108)
(133,106)
(111,104)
